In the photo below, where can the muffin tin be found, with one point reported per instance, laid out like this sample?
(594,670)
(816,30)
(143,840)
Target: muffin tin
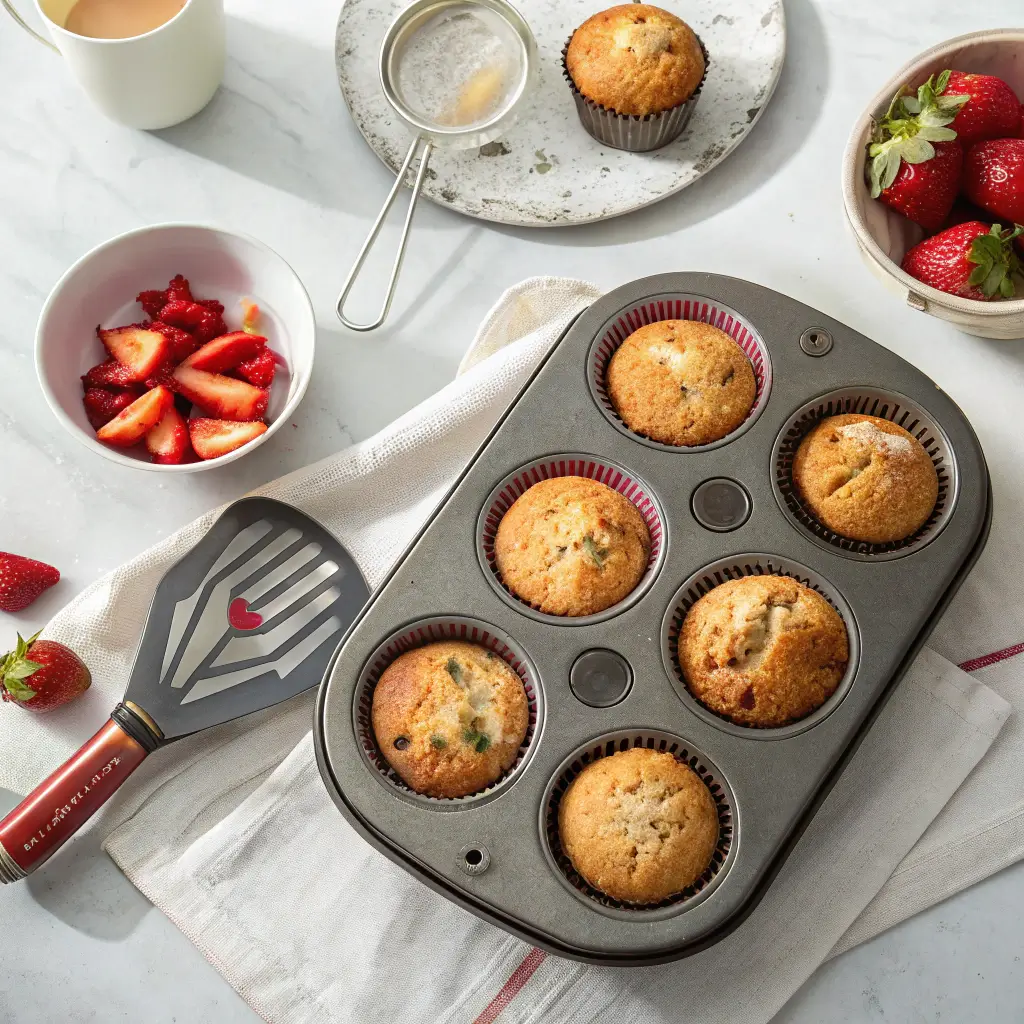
(715,512)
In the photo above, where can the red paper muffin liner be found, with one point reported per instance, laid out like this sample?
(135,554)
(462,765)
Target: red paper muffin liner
(886,405)
(736,567)
(613,743)
(678,306)
(419,634)
(505,494)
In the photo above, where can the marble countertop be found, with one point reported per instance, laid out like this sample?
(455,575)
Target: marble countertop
(276,155)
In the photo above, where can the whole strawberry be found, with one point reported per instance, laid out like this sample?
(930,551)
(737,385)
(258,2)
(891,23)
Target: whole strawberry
(991,112)
(994,177)
(915,161)
(972,260)
(22,580)
(42,674)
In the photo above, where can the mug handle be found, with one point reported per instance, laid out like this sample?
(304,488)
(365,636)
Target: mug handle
(9,7)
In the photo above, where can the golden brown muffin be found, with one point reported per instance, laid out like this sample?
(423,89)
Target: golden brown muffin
(572,546)
(449,717)
(681,382)
(865,478)
(635,59)
(763,650)
(639,826)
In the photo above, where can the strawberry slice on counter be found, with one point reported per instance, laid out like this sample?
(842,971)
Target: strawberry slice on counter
(219,396)
(972,260)
(140,349)
(131,425)
(101,406)
(168,441)
(22,580)
(259,370)
(991,112)
(110,374)
(41,675)
(994,177)
(226,352)
(213,438)
(916,163)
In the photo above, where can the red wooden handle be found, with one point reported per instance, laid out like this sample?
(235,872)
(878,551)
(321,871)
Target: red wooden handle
(62,803)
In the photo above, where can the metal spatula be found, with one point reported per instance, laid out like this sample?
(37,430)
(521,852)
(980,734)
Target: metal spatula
(245,620)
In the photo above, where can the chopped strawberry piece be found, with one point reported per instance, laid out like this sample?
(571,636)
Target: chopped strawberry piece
(140,349)
(212,305)
(226,352)
(178,290)
(152,302)
(101,406)
(110,374)
(220,396)
(259,370)
(168,441)
(132,424)
(182,343)
(202,322)
(212,438)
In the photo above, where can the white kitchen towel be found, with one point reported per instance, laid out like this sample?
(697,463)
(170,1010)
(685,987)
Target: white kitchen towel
(233,836)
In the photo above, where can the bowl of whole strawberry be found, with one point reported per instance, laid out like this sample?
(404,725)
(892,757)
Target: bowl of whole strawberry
(176,347)
(933,183)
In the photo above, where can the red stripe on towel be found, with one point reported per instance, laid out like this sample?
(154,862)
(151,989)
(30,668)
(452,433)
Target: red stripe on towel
(991,659)
(520,976)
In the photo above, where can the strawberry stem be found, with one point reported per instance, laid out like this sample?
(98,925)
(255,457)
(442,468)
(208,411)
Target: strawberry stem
(15,668)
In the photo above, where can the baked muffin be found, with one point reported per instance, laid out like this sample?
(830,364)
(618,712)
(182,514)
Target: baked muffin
(572,546)
(763,650)
(639,825)
(865,478)
(635,71)
(449,717)
(681,382)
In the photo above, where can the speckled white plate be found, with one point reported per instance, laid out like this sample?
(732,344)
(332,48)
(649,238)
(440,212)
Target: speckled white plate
(547,171)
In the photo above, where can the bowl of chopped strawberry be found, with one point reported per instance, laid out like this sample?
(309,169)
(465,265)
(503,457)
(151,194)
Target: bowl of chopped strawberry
(933,183)
(176,347)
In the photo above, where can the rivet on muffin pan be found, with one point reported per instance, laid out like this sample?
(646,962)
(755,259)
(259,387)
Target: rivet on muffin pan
(677,306)
(887,405)
(474,859)
(550,467)
(736,567)
(816,341)
(653,739)
(417,634)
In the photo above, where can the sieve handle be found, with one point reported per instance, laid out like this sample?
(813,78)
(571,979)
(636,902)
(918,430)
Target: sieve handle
(375,231)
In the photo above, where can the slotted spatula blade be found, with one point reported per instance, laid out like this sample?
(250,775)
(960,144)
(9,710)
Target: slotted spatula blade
(245,620)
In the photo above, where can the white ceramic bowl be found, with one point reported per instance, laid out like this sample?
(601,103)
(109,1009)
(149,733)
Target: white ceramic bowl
(101,288)
(883,235)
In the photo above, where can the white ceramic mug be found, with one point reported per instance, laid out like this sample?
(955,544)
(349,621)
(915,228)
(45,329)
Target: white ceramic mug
(153,80)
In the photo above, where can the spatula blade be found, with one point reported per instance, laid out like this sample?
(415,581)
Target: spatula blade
(248,618)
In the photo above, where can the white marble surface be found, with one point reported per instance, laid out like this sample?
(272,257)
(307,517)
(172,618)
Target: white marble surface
(276,155)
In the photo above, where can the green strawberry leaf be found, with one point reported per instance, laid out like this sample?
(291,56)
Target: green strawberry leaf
(916,150)
(18,690)
(942,81)
(995,261)
(936,134)
(16,667)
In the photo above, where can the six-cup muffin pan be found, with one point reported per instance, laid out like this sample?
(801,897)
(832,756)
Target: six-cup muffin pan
(605,682)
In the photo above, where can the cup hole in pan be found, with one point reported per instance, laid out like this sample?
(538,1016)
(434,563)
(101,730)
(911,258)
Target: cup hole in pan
(888,405)
(653,739)
(735,567)
(502,497)
(677,306)
(430,630)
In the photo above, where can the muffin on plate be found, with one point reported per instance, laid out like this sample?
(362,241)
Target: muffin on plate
(635,73)
(572,546)
(639,825)
(866,478)
(763,650)
(681,382)
(449,717)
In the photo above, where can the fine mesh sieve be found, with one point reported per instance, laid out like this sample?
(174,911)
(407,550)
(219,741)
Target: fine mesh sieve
(455,71)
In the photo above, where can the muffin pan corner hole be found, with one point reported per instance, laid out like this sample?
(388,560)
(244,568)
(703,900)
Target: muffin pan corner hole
(628,484)
(677,306)
(418,634)
(736,567)
(653,739)
(868,401)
